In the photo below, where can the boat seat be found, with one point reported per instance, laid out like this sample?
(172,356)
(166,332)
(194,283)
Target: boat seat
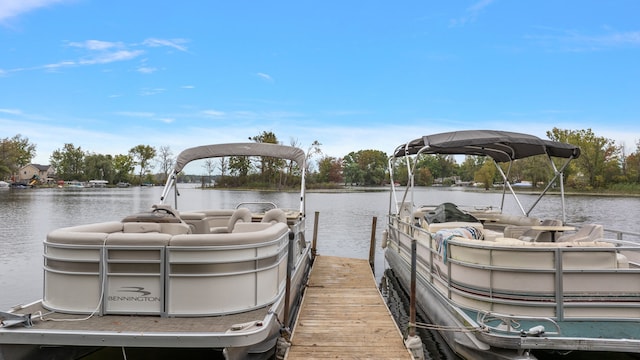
(435,227)
(274,216)
(260,232)
(165,228)
(243,227)
(241,214)
(515,231)
(91,234)
(138,239)
(140,227)
(588,232)
(532,235)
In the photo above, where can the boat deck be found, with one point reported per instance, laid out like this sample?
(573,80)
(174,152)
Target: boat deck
(54,328)
(137,323)
(344,316)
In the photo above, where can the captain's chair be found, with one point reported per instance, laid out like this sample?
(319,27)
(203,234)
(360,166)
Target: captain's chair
(241,214)
(588,232)
(274,216)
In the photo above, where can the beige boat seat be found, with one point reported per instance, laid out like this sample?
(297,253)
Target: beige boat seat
(435,227)
(274,216)
(588,232)
(141,227)
(532,235)
(241,214)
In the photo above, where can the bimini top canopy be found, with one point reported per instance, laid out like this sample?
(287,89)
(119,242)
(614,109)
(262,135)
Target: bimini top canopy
(502,146)
(239,149)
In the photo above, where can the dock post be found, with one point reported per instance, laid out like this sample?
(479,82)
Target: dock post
(412,299)
(372,245)
(288,280)
(314,242)
(413,341)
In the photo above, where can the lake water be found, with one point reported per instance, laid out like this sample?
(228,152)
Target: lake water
(345,223)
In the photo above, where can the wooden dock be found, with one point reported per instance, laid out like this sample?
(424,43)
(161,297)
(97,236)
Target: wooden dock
(344,316)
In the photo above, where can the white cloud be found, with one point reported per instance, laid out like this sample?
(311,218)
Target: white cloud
(173,43)
(612,39)
(574,41)
(11,111)
(100,52)
(59,65)
(141,114)
(265,76)
(151,91)
(146,70)
(109,57)
(13,8)
(97,45)
(213,113)
(479,6)
(471,13)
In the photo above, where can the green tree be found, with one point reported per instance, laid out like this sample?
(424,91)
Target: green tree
(142,156)
(441,166)
(535,169)
(486,174)
(15,152)
(99,167)
(69,162)
(595,153)
(240,166)
(123,166)
(365,167)
(269,166)
(330,169)
(632,165)
(470,166)
(351,170)
(423,177)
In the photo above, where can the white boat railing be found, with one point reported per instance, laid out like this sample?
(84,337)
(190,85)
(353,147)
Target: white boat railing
(172,275)
(554,280)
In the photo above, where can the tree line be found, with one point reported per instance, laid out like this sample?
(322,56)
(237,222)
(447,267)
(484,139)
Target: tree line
(602,165)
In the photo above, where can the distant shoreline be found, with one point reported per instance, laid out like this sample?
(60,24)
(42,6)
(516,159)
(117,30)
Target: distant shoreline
(351,189)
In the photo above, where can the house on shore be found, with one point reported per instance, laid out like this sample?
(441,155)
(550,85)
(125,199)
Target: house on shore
(43,173)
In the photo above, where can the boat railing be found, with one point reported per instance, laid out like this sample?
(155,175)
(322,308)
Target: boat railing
(620,234)
(264,205)
(554,280)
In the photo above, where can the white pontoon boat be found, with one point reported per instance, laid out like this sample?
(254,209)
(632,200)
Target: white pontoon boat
(223,279)
(498,285)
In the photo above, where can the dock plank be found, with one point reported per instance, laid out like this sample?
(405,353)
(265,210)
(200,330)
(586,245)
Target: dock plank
(344,316)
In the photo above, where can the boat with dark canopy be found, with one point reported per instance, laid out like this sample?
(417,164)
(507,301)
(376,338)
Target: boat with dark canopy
(498,285)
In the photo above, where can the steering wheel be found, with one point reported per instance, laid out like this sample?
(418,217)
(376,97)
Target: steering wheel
(165,209)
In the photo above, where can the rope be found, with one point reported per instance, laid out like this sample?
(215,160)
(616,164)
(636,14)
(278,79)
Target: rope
(275,314)
(444,327)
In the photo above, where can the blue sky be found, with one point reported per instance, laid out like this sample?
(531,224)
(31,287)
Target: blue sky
(109,75)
